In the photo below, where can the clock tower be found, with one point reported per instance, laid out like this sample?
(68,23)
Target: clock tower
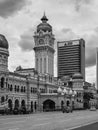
(44,48)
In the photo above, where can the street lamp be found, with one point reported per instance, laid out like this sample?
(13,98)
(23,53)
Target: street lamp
(68,94)
(45,83)
(38,90)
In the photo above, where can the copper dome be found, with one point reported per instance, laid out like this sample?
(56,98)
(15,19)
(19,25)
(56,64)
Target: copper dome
(44,26)
(3,42)
(77,76)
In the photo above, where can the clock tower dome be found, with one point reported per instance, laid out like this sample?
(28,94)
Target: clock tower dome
(44,47)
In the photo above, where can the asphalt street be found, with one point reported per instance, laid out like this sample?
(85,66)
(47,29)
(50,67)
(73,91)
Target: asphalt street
(48,120)
(93,126)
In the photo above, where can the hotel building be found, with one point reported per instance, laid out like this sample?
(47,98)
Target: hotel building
(71,57)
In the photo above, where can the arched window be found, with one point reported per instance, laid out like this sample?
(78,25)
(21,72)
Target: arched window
(24,89)
(37,64)
(41,65)
(8,87)
(31,89)
(21,88)
(15,88)
(44,65)
(2,82)
(11,88)
(31,106)
(35,105)
(2,99)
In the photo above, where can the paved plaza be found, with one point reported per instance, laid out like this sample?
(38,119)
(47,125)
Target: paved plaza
(48,120)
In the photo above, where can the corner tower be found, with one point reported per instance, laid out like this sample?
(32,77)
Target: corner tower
(44,47)
(4,53)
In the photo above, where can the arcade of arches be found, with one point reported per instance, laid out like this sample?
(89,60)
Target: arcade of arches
(20,104)
(47,104)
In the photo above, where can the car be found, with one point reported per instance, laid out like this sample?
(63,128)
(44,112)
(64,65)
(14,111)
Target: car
(92,108)
(16,111)
(67,109)
(23,110)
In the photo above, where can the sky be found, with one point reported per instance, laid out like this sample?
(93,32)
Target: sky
(70,19)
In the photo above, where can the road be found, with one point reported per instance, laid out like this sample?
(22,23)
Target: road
(93,126)
(48,120)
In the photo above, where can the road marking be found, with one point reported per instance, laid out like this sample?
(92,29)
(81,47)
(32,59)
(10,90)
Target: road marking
(41,124)
(13,122)
(14,129)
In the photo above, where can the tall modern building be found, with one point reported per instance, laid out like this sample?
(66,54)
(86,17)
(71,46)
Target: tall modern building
(71,57)
(97,68)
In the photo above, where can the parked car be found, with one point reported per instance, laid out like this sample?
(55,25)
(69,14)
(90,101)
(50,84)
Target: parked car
(92,108)
(23,110)
(67,109)
(16,111)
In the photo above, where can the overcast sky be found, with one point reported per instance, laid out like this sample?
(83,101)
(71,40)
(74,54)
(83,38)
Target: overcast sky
(70,19)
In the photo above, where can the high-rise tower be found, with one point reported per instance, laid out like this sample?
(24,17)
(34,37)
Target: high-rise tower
(71,57)
(44,48)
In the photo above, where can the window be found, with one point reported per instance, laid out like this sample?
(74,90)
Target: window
(2,82)
(31,89)
(21,88)
(11,87)
(37,64)
(8,87)
(15,88)
(44,65)
(34,90)
(41,65)
(2,99)
(24,89)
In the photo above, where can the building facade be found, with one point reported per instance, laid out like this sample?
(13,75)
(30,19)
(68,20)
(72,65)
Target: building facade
(71,57)
(37,88)
(33,88)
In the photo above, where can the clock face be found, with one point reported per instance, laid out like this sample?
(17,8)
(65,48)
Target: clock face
(41,41)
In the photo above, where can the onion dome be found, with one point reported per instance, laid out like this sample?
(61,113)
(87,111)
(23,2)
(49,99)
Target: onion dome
(77,76)
(59,90)
(44,26)
(3,42)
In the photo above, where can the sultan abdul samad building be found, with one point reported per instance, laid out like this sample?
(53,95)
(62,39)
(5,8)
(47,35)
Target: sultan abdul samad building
(35,88)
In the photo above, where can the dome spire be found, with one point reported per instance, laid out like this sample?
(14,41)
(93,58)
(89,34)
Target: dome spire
(44,18)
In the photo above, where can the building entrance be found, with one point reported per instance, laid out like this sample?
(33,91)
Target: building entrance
(16,103)
(10,105)
(48,105)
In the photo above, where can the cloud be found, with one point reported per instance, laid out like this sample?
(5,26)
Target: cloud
(26,42)
(65,34)
(10,7)
(91,44)
(80,3)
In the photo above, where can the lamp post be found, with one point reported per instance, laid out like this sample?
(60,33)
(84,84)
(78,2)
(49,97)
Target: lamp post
(68,94)
(45,83)
(38,90)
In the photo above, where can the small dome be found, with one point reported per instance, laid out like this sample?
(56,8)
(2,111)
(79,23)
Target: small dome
(77,76)
(3,42)
(44,26)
